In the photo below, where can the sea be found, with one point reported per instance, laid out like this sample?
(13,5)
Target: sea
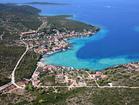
(116,43)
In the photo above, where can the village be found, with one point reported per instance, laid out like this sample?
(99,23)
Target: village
(46,76)
(50,75)
(49,44)
(58,75)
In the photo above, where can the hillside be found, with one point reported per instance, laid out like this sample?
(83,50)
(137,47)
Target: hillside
(45,3)
(14,19)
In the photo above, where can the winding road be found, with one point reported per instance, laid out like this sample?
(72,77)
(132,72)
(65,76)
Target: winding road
(13,72)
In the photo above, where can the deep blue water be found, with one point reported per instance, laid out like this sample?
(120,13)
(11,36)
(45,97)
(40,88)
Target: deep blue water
(116,43)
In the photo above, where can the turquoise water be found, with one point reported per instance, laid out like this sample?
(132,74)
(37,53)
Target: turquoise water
(68,58)
(116,43)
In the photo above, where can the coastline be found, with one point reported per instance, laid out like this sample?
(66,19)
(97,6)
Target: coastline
(35,82)
(42,67)
(96,76)
(63,49)
(70,46)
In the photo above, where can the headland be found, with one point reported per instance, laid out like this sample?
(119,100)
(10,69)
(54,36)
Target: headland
(39,83)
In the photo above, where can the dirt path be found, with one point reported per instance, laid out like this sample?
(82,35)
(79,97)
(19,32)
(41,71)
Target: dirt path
(13,72)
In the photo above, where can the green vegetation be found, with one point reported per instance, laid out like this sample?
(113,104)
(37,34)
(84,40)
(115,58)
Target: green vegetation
(50,97)
(63,23)
(121,76)
(45,3)
(9,56)
(27,66)
(115,97)
(29,87)
(47,80)
(79,96)
(15,19)
(8,59)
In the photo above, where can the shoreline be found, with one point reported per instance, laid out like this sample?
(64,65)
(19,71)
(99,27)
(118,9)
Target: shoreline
(69,47)
(46,68)
(64,49)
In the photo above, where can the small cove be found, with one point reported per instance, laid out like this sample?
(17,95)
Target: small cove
(116,43)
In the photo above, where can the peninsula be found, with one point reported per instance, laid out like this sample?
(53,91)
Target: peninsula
(44,3)
(25,80)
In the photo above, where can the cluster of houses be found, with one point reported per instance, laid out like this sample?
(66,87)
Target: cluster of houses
(7,87)
(99,75)
(32,35)
(11,88)
(132,66)
(35,79)
(43,43)
(49,44)
(64,75)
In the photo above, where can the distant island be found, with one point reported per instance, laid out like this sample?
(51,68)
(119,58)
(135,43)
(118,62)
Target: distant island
(25,36)
(45,3)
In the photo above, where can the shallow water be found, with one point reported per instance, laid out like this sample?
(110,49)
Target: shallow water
(116,43)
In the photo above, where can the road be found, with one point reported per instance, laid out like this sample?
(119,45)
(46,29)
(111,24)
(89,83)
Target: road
(1,36)
(5,86)
(109,86)
(13,72)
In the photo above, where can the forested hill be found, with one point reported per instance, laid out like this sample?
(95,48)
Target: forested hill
(15,18)
(45,3)
(17,9)
(18,18)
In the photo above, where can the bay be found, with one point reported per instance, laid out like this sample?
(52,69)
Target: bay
(116,43)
